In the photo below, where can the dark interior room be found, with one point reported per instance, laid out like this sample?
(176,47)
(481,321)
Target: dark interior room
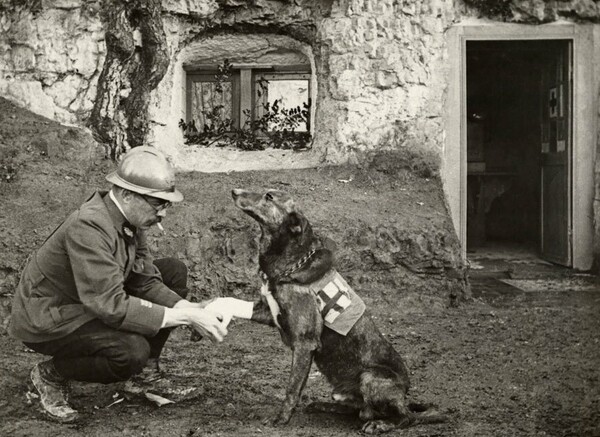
(504,126)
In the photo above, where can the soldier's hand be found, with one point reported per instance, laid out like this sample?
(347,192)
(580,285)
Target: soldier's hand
(208,323)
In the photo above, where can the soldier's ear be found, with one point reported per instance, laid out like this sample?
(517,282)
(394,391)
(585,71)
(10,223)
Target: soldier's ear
(123,195)
(297,223)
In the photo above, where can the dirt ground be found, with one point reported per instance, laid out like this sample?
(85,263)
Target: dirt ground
(504,362)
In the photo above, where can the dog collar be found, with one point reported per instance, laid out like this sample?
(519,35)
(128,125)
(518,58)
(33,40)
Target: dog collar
(296,266)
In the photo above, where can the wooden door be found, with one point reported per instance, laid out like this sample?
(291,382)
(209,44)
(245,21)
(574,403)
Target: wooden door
(556,149)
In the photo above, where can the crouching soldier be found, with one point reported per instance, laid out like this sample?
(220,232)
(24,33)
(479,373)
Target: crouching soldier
(92,298)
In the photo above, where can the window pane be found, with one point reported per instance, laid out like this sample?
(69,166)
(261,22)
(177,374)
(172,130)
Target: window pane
(207,100)
(291,94)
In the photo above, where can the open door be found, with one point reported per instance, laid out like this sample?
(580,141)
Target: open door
(477,54)
(556,153)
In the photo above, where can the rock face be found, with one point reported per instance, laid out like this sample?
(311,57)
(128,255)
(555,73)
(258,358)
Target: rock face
(51,58)
(379,65)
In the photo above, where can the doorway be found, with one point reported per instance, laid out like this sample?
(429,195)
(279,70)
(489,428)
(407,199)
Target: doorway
(580,38)
(519,124)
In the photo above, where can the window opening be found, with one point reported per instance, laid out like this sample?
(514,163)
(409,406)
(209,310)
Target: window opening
(284,93)
(211,102)
(270,110)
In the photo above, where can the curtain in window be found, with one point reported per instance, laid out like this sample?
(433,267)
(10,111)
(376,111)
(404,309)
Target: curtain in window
(207,100)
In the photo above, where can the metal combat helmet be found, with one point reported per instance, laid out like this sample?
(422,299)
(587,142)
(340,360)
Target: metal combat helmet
(145,170)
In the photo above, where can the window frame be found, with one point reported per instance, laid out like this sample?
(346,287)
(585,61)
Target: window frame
(271,75)
(208,75)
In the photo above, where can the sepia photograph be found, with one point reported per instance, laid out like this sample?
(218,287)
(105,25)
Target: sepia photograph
(299,218)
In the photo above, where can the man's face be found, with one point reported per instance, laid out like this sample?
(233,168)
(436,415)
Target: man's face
(144,211)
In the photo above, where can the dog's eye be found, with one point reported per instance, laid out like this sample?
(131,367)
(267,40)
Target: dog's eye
(269,196)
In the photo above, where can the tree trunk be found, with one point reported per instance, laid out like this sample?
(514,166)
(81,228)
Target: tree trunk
(120,114)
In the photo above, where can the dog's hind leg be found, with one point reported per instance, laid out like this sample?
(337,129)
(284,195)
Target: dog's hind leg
(394,413)
(385,407)
(332,408)
(347,404)
(385,418)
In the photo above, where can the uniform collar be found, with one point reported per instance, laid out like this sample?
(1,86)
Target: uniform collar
(116,216)
(116,202)
(128,229)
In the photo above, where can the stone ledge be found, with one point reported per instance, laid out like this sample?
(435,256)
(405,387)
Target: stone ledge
(217,160)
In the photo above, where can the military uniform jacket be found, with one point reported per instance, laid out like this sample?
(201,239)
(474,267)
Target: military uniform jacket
(90,268)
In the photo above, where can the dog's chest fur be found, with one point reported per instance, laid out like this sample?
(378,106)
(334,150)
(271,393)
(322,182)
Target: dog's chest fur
(299,318)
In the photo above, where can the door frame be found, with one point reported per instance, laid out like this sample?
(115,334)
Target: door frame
(584,121)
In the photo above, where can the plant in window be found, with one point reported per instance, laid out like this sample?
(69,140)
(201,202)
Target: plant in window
(282,124)
(215,131)
(275,127)
(224,73)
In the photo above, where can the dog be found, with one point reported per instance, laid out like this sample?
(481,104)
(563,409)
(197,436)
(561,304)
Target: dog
(322,319)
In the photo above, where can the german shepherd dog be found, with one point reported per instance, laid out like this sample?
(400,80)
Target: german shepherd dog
(302,295)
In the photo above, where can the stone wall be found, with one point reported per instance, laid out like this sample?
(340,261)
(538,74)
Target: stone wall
(379,69)
(380,65)
(50,58)
(385,75)
(380,80)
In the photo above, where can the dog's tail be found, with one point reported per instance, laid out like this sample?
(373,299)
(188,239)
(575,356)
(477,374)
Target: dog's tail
(425,413)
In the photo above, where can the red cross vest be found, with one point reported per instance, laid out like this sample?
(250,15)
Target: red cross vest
(340,306)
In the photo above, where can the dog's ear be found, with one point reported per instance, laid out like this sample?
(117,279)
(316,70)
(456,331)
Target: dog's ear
(296,223)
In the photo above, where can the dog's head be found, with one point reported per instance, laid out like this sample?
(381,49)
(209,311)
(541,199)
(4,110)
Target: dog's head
(272,210)
(286,237)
